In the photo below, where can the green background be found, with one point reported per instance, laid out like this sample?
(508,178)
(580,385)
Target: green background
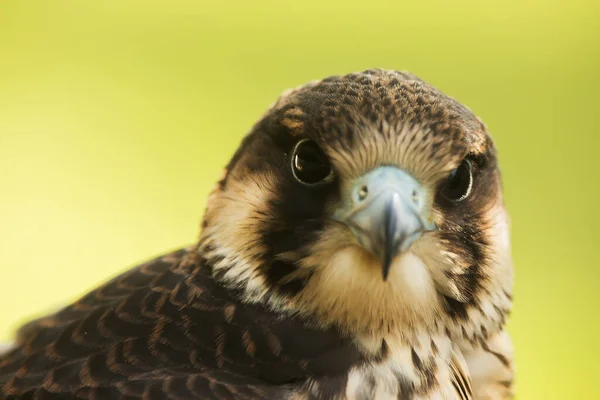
(117,116)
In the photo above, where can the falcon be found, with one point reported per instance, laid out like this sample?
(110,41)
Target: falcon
(356,247)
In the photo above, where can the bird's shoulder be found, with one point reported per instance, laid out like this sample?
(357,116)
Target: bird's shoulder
(167,326)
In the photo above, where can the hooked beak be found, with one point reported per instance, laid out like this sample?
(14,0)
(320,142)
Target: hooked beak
(387,213)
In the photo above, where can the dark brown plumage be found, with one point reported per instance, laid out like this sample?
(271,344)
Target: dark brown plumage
(164,329)
(283,296)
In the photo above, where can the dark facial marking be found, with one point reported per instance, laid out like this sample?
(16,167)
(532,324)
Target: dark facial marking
(296,211)
(463,232)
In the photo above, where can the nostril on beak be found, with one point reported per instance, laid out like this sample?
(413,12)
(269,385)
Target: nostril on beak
(415,197)
(363,193)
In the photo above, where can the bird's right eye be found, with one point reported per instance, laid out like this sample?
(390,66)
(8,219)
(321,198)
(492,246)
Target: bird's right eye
(310,165)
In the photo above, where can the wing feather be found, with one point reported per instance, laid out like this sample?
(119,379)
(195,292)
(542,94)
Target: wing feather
(166,329)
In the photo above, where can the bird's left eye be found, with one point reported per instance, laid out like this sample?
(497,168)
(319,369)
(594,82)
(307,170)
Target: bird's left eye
(310,165)
(459,183)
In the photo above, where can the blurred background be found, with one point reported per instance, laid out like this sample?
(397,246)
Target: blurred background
(116,118)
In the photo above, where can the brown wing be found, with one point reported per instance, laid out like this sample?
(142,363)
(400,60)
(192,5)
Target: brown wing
(165,329)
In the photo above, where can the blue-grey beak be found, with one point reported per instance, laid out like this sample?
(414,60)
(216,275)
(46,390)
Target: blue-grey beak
(387,213)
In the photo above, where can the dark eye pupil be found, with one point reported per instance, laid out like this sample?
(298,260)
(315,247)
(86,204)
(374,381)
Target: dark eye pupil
(309,163)
(459,183)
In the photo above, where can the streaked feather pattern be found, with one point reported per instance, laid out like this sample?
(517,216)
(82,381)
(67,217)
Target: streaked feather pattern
(165,329)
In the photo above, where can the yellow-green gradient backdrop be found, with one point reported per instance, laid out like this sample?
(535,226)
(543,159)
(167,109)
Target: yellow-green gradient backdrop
(116,117)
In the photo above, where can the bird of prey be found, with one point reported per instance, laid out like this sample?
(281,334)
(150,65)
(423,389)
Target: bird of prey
(356,247)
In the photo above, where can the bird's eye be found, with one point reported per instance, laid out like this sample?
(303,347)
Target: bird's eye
(459,183)
(309,164)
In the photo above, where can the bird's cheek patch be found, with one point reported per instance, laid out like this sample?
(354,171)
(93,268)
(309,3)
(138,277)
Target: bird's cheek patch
(235,215)
(498,232)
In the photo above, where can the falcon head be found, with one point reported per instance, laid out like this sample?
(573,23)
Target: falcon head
(371,202)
